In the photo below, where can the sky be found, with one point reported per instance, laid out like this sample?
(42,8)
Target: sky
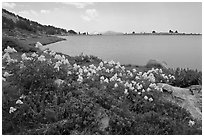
(123,17)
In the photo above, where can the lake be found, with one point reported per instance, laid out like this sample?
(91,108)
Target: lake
(183,51)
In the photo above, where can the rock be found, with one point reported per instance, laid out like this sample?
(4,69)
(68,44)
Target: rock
(184,98)
(58,82)
(40,46)
(156,64)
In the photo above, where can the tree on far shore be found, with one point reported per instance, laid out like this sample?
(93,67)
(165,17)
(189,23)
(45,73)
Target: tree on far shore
(170,31)
(153,31)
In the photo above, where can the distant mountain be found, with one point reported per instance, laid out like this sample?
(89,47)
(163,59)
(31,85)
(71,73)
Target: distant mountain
(111,33)
(12,21)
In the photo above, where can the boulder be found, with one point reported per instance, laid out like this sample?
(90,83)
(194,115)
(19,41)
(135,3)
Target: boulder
(156,64)
(183,97)
(40,46)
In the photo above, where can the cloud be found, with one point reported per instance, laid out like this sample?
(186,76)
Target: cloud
(34,12)
(90,14)
(28,13)
(8,5)
(44,11)
(79,5)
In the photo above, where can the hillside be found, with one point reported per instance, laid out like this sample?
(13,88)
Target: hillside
(22,33)
(12,21)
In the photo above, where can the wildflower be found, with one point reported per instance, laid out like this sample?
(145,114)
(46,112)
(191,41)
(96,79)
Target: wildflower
(88,74)
(80,78)
(75,66)
(126,91)
(112,70)
(151,85)
(191,123)
(69,73)
(45,51)
(160,70)
(57,65)
(150,99)
(139,93)
(6,56)
(4,79)
(148,89)
(12,61)
(52,53)
(116,85)
(137,78)
(106,80)
(22,96)
(24,57)
(107,70)
(58,82)
(143,90)
(19,101)
(134,70)
(66,61)
(6,74)
(145,97)
(34,55)
(58,57)
(12,109)
(101,64)
(22,65)
(102,78)
(41,58)
(9,50)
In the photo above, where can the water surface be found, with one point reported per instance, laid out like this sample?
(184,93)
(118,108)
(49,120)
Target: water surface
(177,51)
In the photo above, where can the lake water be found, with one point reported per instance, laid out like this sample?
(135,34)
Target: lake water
(177,51)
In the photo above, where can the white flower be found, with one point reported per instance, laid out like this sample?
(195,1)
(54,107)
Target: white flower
(22,96)
(145,97)
(107,70)
(12,61)
(9,50)
(22,65)
(106,80)
(6,56)
(69,73)
(126,91)
(152,85)
(143,90)
(58,82)
(191,123)
(137,77)
(80,79)
(41,58)
(57,65)
(52,53)
(12,109)
(58,57)
(24,57)
(6,74)
(150,99)
(45,51)
(102,78)
(139,93)
(19,101)
(160,70)
(66,61)
(34,55)
(116,85)
(101,64)
(4,79)
(134,70)
(148,89)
